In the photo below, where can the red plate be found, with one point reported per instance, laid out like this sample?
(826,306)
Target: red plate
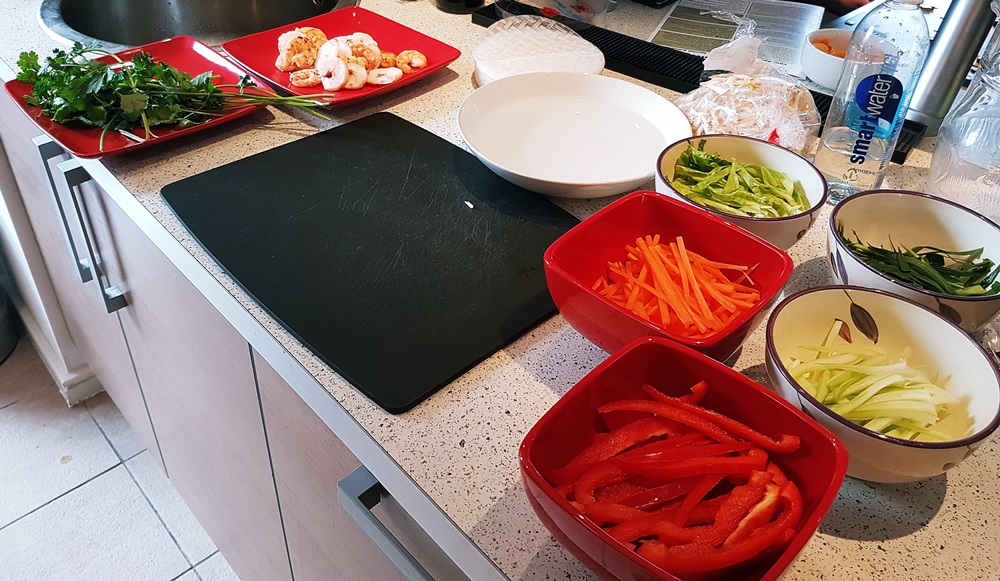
(258,51)
(183,52)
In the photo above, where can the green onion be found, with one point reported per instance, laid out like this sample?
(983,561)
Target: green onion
(949,272)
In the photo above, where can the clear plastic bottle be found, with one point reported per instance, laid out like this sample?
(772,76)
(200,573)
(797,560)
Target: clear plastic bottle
(966,163)
(881,69)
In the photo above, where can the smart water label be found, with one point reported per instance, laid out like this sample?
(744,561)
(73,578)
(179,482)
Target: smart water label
(879,97)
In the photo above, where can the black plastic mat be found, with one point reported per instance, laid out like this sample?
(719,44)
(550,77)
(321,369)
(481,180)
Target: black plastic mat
(397,258)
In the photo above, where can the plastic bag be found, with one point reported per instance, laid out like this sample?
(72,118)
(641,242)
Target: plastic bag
(754,98)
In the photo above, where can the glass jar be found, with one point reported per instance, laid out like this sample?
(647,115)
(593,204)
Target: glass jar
(965,167)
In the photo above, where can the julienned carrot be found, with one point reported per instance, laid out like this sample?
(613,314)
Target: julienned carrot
(677,289)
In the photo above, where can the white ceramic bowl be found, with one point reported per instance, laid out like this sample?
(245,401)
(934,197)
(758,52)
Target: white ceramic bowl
(885,217)
(568,134)
(782,232)
(806,317)
(821,67)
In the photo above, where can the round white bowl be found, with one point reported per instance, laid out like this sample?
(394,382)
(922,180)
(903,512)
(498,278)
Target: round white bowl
(569,134)
(782,232)
(823,68)
(806,317)
(884,217)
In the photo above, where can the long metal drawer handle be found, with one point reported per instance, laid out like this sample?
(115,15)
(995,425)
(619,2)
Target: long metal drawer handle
(75,175)
(358,493)
(48,149)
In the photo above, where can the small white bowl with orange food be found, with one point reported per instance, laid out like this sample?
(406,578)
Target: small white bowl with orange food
(822,57)
(614,275)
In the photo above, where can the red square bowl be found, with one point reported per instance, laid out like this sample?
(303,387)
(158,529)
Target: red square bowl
(579,257)
(817,467)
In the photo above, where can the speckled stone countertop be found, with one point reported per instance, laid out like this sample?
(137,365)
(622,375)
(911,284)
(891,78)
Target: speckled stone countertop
(461,444)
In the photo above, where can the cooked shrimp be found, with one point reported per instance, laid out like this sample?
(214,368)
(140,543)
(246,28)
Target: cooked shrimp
(388,59)
(384,76)
(295,51)
(316,36)
(357,76)
(331,68)
(305,78)
(369,51)
(409,60)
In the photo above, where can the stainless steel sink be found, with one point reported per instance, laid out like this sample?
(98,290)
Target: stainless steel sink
(118,24)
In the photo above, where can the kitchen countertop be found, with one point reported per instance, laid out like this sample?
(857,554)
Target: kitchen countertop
(460,446)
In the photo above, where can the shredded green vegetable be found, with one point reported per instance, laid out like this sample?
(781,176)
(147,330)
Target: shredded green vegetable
(950,272)
(743,189)
(875,389)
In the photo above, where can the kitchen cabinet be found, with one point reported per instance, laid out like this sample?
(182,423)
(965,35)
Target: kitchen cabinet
(309,461)
(96,333)
(197,376)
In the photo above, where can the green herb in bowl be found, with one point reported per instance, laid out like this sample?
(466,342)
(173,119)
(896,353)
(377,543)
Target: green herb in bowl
(742,189)
(951,272)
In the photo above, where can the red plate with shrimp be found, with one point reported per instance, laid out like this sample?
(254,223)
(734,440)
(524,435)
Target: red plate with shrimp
(260,53)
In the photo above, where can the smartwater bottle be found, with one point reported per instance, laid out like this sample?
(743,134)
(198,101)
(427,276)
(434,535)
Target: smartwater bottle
(881,69)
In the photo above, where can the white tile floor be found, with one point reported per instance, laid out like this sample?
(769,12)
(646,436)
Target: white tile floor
(80,498)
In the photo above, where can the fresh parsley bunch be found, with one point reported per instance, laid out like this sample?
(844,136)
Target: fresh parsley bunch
(70,87)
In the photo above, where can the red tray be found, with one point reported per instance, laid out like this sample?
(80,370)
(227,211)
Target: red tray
(183,52)
(258,52)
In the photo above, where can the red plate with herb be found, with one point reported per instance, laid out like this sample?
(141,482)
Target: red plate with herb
(259,51)
(183,52)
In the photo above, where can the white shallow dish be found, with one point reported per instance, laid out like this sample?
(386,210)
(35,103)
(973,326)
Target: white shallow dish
(570,135)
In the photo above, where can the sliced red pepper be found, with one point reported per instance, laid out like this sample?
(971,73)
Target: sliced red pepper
(649,526)
(617,491)
(689,452)
(787,443)
(759,515)
(697,558)
(604,513)
(613,443)
(737,504)
(754,460)
(598,476)
(688,440)
(669,411)
(655,497)
(698,391)
(697,494)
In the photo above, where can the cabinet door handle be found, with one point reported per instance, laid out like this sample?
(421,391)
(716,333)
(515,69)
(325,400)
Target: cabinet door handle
(75,175)
(358,493)
(48,149)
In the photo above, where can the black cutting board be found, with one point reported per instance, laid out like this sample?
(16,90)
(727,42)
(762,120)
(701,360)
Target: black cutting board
(397,258)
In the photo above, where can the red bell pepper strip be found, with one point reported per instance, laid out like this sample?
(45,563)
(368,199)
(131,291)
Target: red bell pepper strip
(697,494)
(655,497)
(617,491)
(613,443)
(698,391)
(755,460)
(604,513)
(649,526)
(787,443)
(598,476)
(687,441)
(759,515)
(689,452)
(694,421)
(694,558)
(736,505)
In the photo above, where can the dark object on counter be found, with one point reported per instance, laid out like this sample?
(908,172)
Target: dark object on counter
(909,136)
(396,257)
(459,6)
